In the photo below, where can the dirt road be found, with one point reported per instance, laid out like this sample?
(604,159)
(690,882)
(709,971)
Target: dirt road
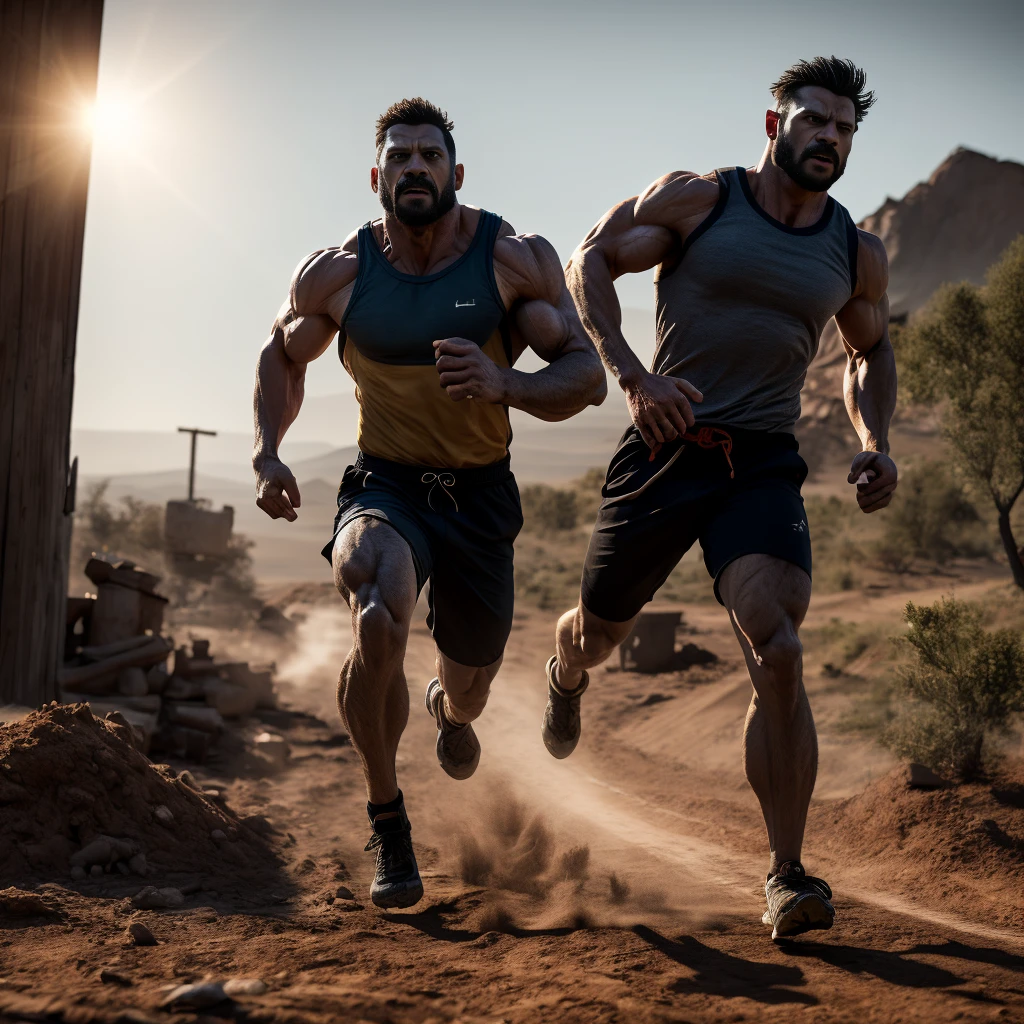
(620,885)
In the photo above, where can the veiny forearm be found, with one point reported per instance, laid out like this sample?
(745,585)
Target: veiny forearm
(559,390)
(592,287)
(869,388)
(277,397)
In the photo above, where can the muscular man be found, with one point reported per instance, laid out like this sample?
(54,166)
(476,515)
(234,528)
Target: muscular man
(752,264)
(432,304)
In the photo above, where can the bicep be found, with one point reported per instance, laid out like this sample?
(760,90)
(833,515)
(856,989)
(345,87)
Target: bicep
(863,320)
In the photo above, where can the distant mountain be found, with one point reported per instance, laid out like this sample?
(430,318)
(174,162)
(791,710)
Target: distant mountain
(950,228)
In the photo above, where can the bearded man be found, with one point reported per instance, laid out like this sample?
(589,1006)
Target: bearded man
(432,304)
(752,263)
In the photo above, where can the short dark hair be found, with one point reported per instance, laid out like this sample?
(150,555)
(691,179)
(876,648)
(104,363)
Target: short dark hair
(842,77)
(416,111)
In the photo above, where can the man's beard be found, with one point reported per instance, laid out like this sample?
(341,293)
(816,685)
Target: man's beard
(442,202)
(785,158)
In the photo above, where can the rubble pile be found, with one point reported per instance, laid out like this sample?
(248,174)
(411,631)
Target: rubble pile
(122,666)
(77,800)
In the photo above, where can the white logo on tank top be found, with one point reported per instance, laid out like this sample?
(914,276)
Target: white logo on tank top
(460,305)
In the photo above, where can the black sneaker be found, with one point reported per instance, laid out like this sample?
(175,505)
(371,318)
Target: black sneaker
(561,728)
(458,749)
(797,902)
(397,881)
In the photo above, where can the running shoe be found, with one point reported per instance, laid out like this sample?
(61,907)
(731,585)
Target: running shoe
(458,749)
(397,880)
(797,902)
(561,728)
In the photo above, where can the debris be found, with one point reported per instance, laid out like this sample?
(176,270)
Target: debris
(104,851)
(78,873)
(343,892)
(163,814)
(112,976)
(194,716)
(152,898)
(274,748)
(651,643)
(219,836)
(132,682)
(138,934)
(138,866)
(100,676)
(17,903)
(195,997)
(244,987)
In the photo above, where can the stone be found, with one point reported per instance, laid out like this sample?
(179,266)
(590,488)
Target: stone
(180,688)
(139,935)
(244,987)
(18,903)
(194,716)
(152,898)
(195,997)
(103,850)
(274,748)
(96,870)
(112,976)
(163,814)
(218,836)
(138,866)
(230,699)
(78,873)
(920,776)
(131,682)
(122,867)
(344,893)
(157,678)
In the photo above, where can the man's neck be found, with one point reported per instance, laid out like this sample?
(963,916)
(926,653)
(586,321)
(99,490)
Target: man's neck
(782,198)
(419,249)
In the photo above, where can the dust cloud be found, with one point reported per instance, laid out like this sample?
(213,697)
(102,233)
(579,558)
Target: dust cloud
(322,642)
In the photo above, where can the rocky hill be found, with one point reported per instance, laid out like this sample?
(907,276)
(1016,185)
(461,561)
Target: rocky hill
(949,228)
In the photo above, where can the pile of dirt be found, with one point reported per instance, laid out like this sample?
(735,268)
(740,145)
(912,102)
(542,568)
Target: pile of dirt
(78,801)
(963,842)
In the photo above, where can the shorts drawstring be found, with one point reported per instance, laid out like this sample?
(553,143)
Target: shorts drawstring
(442,480)
(705,438)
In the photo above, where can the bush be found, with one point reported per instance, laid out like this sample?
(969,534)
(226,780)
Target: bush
(962,686)
(546,509)
(931,518)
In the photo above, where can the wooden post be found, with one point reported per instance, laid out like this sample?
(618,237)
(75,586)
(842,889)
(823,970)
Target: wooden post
(47,75)
(192,458)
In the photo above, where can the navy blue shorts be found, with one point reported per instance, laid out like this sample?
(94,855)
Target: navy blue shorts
(740,498)
(460,525)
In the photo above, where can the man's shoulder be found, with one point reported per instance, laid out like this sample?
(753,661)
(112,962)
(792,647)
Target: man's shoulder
(872,265)
(324,272)
(677,196)
(530,261)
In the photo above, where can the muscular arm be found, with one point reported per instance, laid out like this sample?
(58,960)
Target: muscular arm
(302,331)
(869,384)
(633,237)
(544,318)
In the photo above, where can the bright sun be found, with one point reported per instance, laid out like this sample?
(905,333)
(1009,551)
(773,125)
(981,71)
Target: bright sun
(114,123)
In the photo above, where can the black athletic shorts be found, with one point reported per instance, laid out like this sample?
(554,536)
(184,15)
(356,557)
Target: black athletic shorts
(459,525)
(654,509)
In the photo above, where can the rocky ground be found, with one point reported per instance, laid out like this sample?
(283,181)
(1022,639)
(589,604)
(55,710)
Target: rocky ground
(620,885)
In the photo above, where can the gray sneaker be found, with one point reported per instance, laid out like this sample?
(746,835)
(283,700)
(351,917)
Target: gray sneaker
(797,902)
(458,749)
(396,881)
(561,728)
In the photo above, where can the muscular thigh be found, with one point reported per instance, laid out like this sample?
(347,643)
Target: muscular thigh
(763,593)
(371,557)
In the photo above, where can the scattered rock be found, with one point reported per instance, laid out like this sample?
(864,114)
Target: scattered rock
(343,892)
(104,851)
(17,903)
(112,976)
(132,682)
(138,866)
(139,935)
(218,836)
(195,997)
(920,776)
(274,748)
(244,987)
(96,870)
(163,815)
(78,873)
(152,898)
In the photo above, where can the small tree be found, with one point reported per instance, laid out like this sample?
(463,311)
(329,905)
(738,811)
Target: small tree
(964,684)
(968,349)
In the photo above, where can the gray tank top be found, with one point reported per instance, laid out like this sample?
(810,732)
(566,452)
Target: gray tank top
(741,313)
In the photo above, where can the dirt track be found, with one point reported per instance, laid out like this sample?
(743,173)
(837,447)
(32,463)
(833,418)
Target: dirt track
(620,885)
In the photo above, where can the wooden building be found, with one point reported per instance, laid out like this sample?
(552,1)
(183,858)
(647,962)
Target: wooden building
(49,55)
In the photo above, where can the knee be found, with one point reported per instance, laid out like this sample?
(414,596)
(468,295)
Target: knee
(381,630)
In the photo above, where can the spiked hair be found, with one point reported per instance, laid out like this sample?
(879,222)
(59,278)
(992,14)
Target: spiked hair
(842,77)
(416,111)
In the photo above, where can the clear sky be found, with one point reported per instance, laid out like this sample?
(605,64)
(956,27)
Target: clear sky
(237,136)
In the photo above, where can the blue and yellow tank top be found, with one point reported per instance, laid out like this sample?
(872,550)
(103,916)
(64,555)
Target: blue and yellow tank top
(386,344)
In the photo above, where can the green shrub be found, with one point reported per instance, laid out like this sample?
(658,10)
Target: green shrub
(931,518)
(963,684)
(546,509)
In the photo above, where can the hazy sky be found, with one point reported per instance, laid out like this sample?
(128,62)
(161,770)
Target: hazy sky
(247,139)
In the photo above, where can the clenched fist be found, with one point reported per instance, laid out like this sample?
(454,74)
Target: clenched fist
(465,371)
